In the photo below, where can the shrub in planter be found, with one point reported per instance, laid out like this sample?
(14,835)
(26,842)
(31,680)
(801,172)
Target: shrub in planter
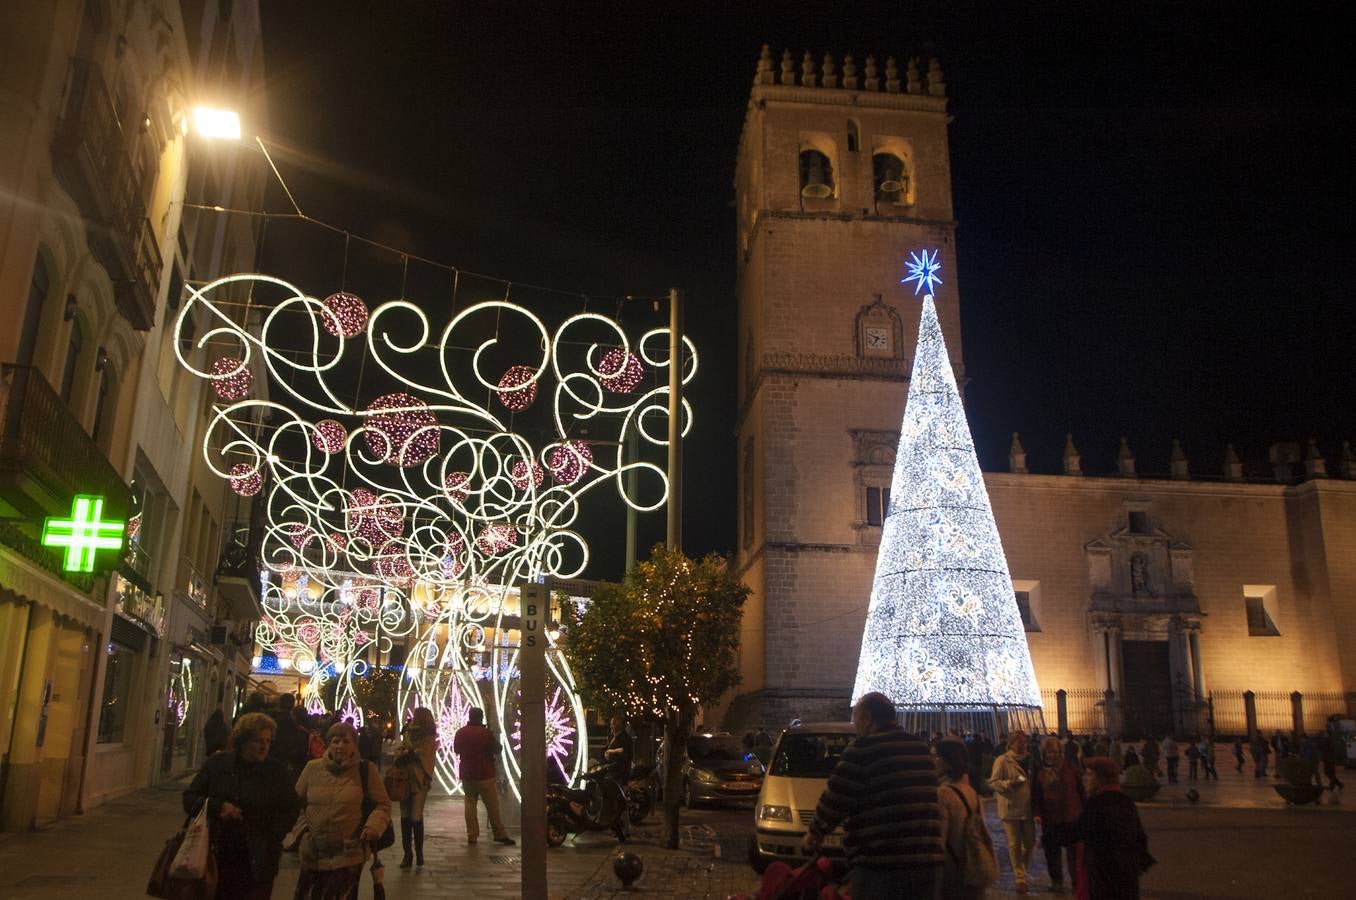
(1296,771)
(1299,784)
(1139,783)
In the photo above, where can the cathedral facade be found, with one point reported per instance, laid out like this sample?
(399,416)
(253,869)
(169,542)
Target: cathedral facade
(1180,604)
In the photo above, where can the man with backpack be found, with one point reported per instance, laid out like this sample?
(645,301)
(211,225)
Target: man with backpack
(885,787)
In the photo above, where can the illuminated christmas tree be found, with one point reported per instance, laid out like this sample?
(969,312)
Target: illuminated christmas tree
(944,637)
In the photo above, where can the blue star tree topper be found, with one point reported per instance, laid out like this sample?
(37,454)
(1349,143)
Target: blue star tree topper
(922,271)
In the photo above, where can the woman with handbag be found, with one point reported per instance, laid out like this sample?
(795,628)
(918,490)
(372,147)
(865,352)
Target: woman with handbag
(250,806)
(1117,849)
(335,844)
(417,756)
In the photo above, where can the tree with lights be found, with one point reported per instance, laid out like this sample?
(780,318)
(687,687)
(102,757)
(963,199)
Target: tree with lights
(944,637)
(657,647)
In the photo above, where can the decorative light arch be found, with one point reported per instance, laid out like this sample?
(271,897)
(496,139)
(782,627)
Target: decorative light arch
(407,514)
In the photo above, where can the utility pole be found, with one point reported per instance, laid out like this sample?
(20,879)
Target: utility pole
(534,604)
(674,539)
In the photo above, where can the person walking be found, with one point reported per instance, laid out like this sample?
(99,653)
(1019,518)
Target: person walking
(1193,757)
(1308,751)
(884,790)
(337,835)
(1334,751)
(1206,748)
(1238,754)
(762,745)
(1172,755)
(476,746)
(215,732)
(1057,802)
(1116,847)
(1151,754)
(250,806)
(291,740)
(1009,780)
(1260,753)
(958,801)
(418,755)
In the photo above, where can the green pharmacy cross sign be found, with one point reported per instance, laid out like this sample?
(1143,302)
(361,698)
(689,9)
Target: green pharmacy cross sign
(84,533)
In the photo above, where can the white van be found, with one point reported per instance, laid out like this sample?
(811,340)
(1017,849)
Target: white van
(802,761)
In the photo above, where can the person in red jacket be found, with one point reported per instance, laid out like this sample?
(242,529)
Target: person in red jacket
(476,746)
(1057,801)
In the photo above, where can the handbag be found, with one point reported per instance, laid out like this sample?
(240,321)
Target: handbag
(388,836)
(978,864)
(397,782)
(191,860)
(162,884)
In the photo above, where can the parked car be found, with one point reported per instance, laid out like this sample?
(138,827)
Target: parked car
(802,761)
(719,770)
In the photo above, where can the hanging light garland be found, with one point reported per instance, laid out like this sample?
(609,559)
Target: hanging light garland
(518,388)
(570,461)
(622,371)
(231,378)
(246,480)
(401,429)
(345,314)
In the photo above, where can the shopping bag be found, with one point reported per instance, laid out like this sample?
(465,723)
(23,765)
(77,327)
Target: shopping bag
(162,884)
(191,860)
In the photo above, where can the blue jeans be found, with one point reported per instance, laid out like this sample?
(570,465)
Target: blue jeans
(884,883)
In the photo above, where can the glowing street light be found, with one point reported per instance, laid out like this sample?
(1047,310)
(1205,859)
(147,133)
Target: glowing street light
(216,123)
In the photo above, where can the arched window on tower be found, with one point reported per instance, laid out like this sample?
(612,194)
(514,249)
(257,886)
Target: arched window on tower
(891,178)
(816,175)
(73,345)
(854,139)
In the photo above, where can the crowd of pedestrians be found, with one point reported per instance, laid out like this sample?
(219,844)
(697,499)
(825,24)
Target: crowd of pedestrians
(280,779)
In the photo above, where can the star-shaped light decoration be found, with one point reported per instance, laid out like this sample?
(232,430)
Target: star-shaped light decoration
(923,271)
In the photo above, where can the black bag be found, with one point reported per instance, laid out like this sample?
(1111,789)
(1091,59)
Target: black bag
(387,838)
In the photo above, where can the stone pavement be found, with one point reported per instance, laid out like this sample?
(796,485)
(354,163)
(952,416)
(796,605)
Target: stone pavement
(109,853)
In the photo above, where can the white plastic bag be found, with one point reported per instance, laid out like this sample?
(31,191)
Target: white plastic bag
(191,860)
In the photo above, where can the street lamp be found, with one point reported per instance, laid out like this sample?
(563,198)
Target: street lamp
(216,123)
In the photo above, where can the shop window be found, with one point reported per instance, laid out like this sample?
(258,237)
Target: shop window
(117,692)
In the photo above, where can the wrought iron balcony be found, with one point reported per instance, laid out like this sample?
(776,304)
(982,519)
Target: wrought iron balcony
(46,457)
(237,576)
(90,159)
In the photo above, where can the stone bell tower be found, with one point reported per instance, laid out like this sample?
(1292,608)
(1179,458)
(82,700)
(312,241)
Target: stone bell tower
(843,168)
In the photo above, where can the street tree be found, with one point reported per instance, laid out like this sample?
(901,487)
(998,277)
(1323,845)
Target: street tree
(657,647)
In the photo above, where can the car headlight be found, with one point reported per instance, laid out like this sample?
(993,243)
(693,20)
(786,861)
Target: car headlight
(778,813)
(707,777)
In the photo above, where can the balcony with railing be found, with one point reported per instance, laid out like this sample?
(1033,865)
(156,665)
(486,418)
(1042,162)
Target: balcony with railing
(46,458)
(90,159)
(237,574)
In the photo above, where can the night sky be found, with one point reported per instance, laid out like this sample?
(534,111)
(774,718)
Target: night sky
(1153,210)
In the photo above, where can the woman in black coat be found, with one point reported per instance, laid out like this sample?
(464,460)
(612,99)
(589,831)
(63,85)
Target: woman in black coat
(250,806)
(1116,849)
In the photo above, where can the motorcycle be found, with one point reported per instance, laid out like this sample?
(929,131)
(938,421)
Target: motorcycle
(600,805)
(642,792)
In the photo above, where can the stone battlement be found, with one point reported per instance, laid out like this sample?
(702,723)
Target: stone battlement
(828,75)
(1289,462)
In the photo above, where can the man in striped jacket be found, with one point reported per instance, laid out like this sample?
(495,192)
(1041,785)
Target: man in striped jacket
(884,790)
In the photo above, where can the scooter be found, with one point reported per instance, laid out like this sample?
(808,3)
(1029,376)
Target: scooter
(642,792)
(600,805)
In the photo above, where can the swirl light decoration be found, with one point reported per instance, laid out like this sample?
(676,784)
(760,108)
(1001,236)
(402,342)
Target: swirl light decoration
(403,516)
(944,637)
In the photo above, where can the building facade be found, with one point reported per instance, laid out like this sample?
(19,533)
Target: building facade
(1186,598)
(95,252)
